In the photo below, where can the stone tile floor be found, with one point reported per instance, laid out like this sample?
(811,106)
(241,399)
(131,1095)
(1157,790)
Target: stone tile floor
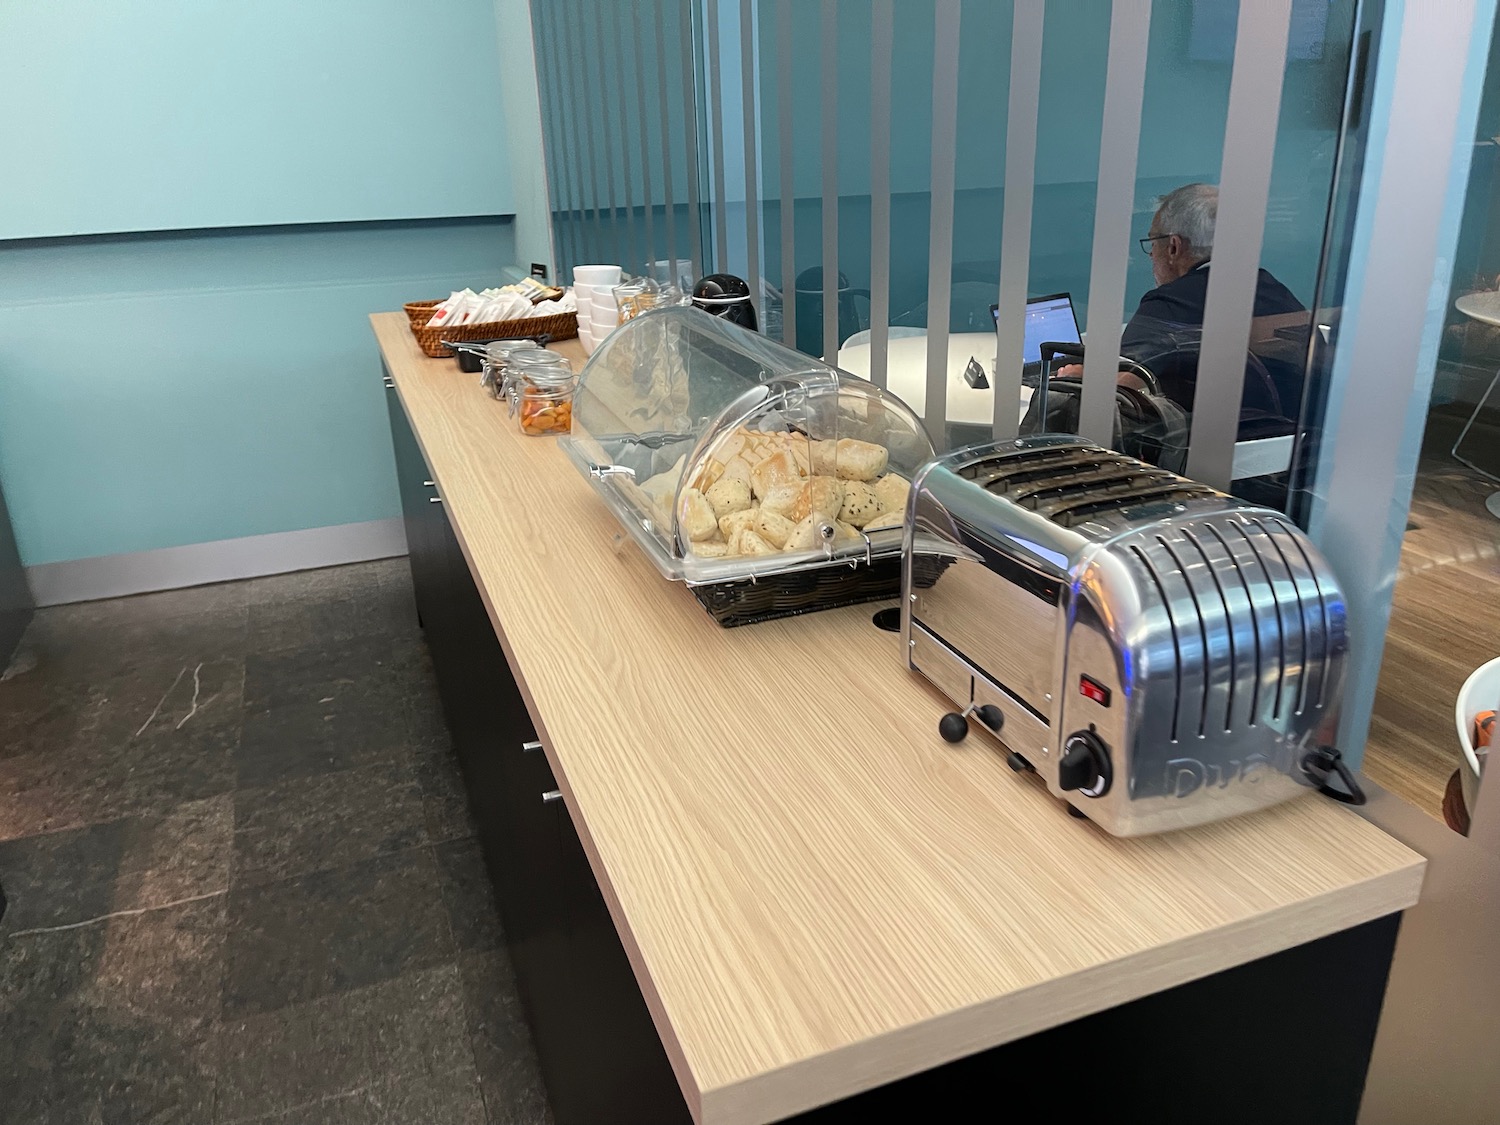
(243,883)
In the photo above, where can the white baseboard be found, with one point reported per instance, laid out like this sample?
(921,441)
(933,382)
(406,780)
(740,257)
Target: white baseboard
(225,560)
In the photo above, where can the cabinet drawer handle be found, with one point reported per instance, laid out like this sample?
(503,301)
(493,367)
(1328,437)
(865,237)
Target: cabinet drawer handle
(531,746)
(551,795)
(434,499)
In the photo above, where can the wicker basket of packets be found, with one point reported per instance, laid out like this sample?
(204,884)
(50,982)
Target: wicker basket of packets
(468,316)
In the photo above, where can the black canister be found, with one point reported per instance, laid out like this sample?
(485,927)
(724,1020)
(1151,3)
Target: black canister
(727,296)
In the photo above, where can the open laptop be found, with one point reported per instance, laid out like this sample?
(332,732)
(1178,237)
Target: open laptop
(1047,318)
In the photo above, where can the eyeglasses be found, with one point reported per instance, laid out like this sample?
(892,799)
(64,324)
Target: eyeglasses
(1149,239)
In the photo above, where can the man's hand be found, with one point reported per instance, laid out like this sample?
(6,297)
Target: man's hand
(1075,371)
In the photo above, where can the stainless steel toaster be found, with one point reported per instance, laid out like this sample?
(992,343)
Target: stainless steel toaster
(1161,654)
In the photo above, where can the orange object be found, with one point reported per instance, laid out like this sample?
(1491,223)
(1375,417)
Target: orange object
(1484,728)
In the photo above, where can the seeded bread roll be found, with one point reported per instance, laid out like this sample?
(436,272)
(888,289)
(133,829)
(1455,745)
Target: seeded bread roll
(887,519)
(861,460)
(809,532)
(733,522)
(820,494)
(729,495)
(891,490)
(711,549)
(778,468)
(861,505)
(846,533)
(782,499)
(697,515)
(773,527)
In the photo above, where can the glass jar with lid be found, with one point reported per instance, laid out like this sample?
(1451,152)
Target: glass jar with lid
(541,392)
(497,355)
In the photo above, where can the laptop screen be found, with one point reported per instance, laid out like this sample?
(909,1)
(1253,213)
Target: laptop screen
(1047,318)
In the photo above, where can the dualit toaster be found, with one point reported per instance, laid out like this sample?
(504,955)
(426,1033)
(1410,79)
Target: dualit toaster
(1161,654)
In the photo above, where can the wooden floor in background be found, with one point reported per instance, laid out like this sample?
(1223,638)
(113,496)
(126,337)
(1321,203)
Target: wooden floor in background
(1445,622)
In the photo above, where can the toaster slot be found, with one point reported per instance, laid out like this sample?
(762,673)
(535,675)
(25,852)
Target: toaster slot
(1001,477)
(1115,480)
(1070,514)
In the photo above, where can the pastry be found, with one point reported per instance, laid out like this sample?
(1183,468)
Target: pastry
(782,498)
(861,505)
(729,495)
(860,460)
(891,490)
(810,532)
(731,523)
(887,519)
(773,527)
(698,518)
(746,542)
(820,494)
(779,468)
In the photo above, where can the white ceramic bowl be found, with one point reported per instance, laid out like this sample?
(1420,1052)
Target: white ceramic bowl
(606,276)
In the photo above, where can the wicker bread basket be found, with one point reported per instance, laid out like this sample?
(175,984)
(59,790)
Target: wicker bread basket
(562,326)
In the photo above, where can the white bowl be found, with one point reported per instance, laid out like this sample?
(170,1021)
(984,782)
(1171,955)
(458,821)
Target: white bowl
(606,276)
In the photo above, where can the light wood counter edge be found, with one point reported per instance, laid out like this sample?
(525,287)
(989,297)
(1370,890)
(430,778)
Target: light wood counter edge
(836,1074)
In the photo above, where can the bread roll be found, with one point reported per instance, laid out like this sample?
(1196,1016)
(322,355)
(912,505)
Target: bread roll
(860,460)
(711,549)
(782,498)
(861,505)
(773,527)
(820,494)
(809,532)
(730,447)
(729,495)
(732,523)
(746,542)
(892,490)
(846,533)
(824,458)
(737,468)
(696,515)
(778,468)
(887,519)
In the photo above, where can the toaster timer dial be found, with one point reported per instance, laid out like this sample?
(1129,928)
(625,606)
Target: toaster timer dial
(1084,765)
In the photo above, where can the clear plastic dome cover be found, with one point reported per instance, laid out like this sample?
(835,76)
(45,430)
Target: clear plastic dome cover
(727,455)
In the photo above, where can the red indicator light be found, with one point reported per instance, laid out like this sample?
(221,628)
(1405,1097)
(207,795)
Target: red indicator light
(1094,690)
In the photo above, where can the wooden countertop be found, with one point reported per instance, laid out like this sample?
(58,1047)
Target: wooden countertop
(818,894)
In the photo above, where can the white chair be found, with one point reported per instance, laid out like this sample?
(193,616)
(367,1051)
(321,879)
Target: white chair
(1481,692)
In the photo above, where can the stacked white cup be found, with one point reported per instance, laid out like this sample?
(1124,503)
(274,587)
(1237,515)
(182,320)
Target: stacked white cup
(593,287)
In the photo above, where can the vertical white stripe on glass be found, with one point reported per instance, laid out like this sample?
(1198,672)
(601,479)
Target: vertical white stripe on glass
(784,146)
(622,117)
(940,253)
(1244,190)
(1124,89)
(749,60)
(645,138)
(882,36)
(583,103)
(1015,233)
(690,134)
(719,259)
(598,106)
(666,138)
(829,57)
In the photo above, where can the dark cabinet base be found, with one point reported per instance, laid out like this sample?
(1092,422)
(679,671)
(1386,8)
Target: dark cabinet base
(1285,1039)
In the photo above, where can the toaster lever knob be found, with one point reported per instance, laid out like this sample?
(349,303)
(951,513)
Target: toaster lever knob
(991,716)
(1084,765)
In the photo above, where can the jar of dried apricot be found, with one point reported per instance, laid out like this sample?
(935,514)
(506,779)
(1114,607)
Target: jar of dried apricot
(544,398)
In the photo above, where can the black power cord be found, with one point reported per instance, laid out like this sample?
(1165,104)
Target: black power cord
(1318,764)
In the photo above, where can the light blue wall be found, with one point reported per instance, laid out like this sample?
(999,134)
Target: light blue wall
(163,389)
(174,114)
(159,390)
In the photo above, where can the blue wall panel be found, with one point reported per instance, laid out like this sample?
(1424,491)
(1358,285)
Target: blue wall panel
(178,114)
(159,390)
